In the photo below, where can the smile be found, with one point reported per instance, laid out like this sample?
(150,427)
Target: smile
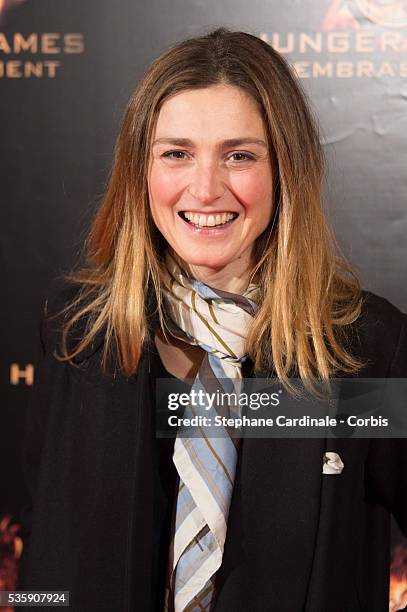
(212,220)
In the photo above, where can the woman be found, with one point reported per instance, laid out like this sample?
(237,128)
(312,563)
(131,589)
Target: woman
(210,259)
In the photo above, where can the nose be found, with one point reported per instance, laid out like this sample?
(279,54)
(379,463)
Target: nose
(206,183)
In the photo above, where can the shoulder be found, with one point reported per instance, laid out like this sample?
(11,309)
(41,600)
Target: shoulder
(380,319)
(380,336)
(53,315)
(86,367)
(58,308)
(380,311)
(95,362)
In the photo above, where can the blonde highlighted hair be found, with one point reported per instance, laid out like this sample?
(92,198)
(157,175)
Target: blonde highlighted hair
(309,292)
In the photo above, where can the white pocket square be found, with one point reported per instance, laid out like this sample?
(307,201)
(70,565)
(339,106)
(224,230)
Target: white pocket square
(332,463)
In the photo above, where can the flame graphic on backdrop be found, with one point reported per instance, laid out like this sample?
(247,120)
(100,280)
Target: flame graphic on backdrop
(339,16)
(398,578)
(6,4)
(387,13)
(11,547)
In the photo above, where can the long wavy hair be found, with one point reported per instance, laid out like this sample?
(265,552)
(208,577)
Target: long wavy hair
(309,293)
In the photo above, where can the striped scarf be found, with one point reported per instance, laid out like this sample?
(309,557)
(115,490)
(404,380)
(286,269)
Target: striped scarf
(218,322)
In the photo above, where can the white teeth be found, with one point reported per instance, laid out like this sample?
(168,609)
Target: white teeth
(208,220)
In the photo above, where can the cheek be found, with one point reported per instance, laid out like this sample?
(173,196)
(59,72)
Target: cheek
(162,197)
(162,188)
(255,192)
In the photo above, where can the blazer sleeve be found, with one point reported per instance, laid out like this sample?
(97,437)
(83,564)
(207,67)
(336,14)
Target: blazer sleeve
(35,427)
(386,466)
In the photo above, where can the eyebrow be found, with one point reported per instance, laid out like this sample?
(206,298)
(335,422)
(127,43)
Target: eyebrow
(231,142)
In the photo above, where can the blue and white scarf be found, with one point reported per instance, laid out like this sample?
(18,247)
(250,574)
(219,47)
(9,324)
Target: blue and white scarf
(218,322)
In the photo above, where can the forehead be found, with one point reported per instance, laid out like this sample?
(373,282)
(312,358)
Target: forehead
(217,110)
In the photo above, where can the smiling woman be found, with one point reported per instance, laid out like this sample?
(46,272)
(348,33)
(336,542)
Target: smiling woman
(210,261)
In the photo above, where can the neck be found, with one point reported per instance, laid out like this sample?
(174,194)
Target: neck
(233,278)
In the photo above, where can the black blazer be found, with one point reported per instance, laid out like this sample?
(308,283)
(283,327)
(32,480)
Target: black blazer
(297,540)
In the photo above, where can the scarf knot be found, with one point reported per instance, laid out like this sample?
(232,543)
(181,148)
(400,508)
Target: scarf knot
(211,318)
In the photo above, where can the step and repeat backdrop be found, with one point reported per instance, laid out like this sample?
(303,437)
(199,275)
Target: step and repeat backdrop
(66,71)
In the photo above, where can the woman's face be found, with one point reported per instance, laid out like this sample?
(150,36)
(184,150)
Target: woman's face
(210,177)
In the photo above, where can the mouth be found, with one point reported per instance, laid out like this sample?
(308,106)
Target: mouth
(200,220)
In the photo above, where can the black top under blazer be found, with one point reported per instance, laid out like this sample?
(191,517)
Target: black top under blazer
(297,540)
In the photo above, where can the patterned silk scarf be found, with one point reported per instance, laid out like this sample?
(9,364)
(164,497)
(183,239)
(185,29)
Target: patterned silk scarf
(218,322)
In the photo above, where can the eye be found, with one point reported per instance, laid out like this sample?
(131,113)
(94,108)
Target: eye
(247,156)
(177,154)
(169,154)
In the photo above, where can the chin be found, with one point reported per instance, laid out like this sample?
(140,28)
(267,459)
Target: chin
(205,261)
